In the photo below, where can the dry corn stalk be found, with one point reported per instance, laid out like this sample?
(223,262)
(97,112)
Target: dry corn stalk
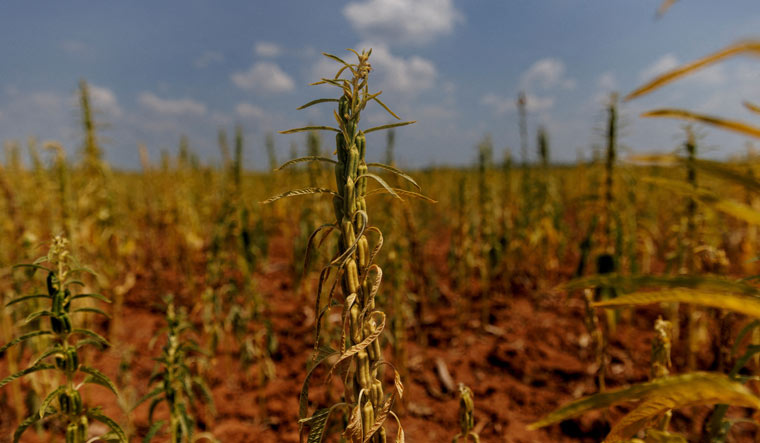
(352,267)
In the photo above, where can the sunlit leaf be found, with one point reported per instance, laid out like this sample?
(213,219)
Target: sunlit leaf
(748,46)
(743,304)
(677,390)
(730,125)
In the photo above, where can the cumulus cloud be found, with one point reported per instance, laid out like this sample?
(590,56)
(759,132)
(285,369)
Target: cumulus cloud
(267,49)
(546,73)
(606,84)
(167,106)
(508,104)
(247,110)
(391,73)
(712,75)
(208,58)
(403,21)
(399,74)
(607,81)
(263,77)
(659,66)
(104,99)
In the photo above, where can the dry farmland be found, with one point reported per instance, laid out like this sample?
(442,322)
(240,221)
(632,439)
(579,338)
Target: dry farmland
(338,299)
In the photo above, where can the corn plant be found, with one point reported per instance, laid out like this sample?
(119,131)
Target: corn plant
(174,382)
(359,353)
(62,349)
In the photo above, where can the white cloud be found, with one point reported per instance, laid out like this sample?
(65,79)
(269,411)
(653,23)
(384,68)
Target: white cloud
(606,84)
(390,73)
(607,81)
(248,110)
(264,76)
(403,21)
(713,76)
(659,66)
(546,73)
(104,99)
(267,49)
(503,104)
(184,106)
(208,58)
(324,68)
(398,74)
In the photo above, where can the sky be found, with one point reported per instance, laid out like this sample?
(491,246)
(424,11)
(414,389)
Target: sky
(159,70)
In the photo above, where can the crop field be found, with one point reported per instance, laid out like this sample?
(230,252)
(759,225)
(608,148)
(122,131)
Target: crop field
(331,298)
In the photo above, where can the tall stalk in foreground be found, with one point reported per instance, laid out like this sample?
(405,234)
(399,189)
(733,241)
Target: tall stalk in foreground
(359,351)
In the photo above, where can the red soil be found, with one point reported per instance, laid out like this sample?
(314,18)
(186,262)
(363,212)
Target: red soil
(533,356)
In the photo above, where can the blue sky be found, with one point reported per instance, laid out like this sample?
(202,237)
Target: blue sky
(162,69)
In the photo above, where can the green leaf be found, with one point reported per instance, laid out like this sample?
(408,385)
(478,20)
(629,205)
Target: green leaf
(206,393)
(384,107)
(97,415)
(318,423)
(21,338)
(388,126)
(321,355)
(153,430)
(92,310)
(35,315)
(148,396)
(98,378)
(32,266)
(90,341)
(152,408)
(49,399)
(317,101)
(93,335)
(100,297)
(675,391)
(26,297)
(83,269)
(29,370)
(743,333)
(47,353)
(336,58)
(310,128)
(32,419)
(334,82)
